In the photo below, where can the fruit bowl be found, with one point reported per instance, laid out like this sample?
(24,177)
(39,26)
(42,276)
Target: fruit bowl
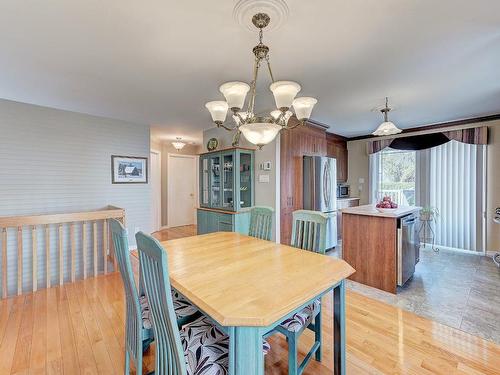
(386,205)
(385,209)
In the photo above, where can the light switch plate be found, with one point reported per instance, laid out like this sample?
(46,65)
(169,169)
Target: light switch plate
(265,166)
(264,178)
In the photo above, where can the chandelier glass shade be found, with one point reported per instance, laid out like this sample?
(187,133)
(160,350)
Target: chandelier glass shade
(178,145)
(387,127)
(260,129)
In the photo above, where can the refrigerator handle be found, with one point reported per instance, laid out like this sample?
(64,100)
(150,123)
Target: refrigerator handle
(326,184)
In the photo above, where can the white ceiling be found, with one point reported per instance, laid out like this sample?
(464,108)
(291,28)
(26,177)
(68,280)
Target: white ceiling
(158,62)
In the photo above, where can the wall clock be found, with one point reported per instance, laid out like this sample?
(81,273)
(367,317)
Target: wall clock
(212,144)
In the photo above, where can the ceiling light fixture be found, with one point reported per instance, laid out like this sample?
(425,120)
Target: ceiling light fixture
(178,145)
(387,127)
(260,129)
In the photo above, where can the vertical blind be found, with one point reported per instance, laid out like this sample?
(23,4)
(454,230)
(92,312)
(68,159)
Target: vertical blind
(456,188)
(450,177)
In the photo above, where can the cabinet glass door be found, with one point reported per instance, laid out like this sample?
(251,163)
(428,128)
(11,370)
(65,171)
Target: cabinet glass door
(245,180)
(205,178)
(215,181)
(228,181)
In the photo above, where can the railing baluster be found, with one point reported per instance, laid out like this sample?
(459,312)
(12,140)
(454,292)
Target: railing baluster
(4,262)
(105,244)
(61,276)
(41,226)
(19,260)
(72,244)
(47,254)
(84,249)
(34,254)
(95,247)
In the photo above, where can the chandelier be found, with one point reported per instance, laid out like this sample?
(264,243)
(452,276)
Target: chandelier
(260,129)
(178,144)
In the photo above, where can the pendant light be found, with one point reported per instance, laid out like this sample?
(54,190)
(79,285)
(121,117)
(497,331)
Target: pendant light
(387,127)
(178,145)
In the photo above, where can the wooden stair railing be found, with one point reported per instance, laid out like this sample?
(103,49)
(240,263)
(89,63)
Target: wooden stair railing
(99,227)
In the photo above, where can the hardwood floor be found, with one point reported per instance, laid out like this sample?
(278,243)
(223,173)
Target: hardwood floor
(79,328)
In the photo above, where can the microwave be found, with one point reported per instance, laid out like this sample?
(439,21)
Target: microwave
(343,191)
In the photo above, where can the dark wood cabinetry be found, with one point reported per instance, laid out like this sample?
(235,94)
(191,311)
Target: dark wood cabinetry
(336,147)
(311,140)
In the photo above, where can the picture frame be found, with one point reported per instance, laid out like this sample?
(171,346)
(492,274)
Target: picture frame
(129,169)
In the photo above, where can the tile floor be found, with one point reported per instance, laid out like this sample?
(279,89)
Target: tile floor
(457,289)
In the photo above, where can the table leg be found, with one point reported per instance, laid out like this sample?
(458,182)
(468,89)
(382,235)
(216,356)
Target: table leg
(339,355)
(247,351)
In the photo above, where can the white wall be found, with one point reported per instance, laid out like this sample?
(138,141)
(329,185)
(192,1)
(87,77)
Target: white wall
(58,161)
(266,194)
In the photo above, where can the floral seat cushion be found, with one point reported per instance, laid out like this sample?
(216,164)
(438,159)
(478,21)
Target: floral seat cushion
(301,319)
(182,308)
(206,348)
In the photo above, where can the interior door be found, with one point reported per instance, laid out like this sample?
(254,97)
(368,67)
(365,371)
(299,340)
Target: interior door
(181,190)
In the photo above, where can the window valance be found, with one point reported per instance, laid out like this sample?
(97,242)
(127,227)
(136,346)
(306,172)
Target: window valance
(477,136)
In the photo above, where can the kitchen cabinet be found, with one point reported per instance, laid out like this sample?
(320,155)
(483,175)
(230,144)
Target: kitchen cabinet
(344,203)
(336,147)
(311,140)
(375,243)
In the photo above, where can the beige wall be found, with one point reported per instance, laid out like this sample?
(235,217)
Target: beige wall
(359,164)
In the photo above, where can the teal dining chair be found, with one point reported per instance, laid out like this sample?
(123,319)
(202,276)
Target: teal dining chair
(199,347)
(138,328)
(308,233)
(309,230)
(261,222)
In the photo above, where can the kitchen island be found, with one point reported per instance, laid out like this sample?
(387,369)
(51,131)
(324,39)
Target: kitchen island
(381,246)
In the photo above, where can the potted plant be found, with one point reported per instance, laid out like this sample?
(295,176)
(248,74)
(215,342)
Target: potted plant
(428,213)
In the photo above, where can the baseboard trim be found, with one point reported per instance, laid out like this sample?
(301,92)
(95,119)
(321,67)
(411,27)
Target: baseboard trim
(428,246)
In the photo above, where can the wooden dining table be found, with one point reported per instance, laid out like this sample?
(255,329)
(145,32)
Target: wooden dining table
(249,286)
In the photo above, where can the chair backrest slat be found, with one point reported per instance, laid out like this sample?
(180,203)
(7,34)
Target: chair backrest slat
(120,242)
(154,275)
(261,220)
(309,230)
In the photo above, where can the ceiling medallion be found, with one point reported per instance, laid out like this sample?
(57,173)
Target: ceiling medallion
(244,10)
(260,129)
(387,127)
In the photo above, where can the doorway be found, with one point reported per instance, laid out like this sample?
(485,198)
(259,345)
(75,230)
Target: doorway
(155,157)
(182,189)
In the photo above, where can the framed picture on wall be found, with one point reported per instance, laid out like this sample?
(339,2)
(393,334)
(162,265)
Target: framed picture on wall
(129,169)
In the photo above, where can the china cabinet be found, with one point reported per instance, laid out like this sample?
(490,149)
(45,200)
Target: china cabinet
(226,188)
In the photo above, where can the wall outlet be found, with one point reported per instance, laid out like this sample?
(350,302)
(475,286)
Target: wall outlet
(361,180)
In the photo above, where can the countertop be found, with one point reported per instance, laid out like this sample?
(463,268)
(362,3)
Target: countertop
(349,199)
(370,210)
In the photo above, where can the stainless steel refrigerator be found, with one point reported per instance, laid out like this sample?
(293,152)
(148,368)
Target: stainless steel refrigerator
(320,191)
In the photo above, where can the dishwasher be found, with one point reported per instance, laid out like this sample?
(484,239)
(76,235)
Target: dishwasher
(407,248)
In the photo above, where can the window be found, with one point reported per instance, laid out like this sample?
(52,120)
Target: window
(396,176)
(450,178)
